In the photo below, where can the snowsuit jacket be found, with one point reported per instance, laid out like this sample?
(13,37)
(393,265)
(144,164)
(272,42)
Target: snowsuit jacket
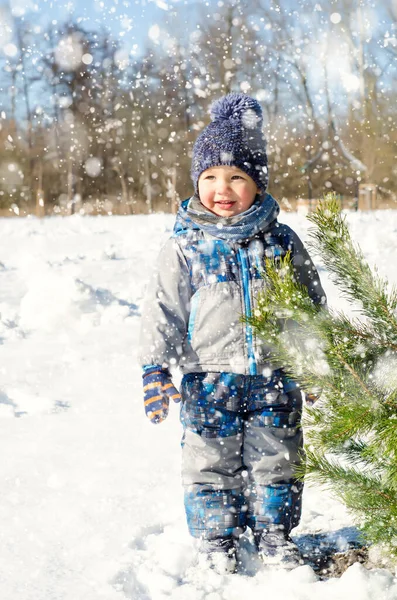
(201,288)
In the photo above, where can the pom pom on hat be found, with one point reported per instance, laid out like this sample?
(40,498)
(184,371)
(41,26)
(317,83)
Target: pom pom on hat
(233,138)
(239,108)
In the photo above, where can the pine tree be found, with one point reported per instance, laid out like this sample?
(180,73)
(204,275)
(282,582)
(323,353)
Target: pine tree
(351,364)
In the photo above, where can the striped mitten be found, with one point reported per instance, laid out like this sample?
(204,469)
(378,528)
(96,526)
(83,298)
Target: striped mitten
(158,389)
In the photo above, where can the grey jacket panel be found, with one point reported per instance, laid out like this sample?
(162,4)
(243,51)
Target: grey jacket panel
(200,329)
(212,314)
(217,334)
(166,309)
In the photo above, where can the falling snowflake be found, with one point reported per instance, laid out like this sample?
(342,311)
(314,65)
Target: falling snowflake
(93,166)
(69,52)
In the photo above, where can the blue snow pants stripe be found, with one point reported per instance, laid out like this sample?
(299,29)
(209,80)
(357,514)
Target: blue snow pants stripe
(277,504)
(211,514)
(248,310)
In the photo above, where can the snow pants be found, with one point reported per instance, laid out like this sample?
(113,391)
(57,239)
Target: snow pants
(241,442)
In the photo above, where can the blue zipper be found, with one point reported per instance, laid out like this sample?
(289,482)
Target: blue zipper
(245,275)
(192,317)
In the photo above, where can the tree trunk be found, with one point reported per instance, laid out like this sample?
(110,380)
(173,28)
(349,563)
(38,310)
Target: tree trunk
(40,203)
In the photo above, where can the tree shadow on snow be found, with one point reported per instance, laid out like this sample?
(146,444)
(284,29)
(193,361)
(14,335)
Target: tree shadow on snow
(58,406)
(6,400)
(331,553)
(11,325)
(104,297)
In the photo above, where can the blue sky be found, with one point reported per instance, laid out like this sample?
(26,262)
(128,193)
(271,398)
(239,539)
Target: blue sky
(131,21)
(128,20)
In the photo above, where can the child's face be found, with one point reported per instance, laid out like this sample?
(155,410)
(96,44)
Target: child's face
(226,191)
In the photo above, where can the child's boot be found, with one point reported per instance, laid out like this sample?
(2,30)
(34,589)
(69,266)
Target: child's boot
(218,554)
(275,548)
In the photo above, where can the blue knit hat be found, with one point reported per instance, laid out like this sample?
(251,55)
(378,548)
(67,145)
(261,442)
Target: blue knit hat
(233,138)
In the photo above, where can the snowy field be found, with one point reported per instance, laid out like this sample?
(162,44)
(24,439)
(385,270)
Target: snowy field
(91,501)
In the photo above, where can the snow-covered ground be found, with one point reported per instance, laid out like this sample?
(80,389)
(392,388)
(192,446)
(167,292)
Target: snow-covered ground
(91,502)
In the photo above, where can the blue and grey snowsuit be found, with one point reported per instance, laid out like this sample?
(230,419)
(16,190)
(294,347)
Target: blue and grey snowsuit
(240,413)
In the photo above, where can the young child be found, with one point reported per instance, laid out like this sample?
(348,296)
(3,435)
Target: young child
(240,413)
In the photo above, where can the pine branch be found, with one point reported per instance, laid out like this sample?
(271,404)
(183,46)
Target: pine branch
(352,362)
(333,424)
(349,270)
(361,337)
(366,495)
(287,319)
(368,490)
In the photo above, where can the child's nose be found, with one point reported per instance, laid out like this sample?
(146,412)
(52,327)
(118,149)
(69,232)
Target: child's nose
(223,185)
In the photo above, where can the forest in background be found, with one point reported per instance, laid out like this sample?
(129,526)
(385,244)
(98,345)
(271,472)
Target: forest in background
(90,125)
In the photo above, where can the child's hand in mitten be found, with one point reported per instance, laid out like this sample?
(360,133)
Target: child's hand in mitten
(158,389)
